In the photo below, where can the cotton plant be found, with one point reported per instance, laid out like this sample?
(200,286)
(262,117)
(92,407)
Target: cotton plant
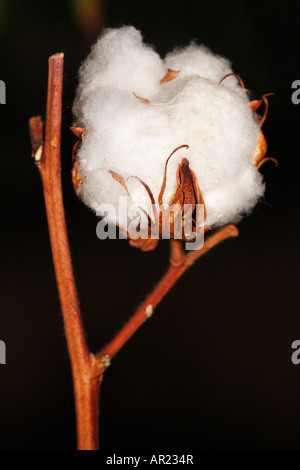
(133,109)
(161,133)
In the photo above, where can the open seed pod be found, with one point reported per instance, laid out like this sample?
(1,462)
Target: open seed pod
(166,134)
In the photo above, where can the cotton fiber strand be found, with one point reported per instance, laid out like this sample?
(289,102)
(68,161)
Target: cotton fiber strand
(134,138)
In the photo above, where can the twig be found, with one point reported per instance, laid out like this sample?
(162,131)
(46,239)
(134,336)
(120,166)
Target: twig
(85,370)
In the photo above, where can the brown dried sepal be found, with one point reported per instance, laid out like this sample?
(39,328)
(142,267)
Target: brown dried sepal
(77,179)
(232,74)
(170,75)
(255,104)
(260,150)
(187,192)
(120,180)
(258,158)
(78,131)
(36,130)
(143,100)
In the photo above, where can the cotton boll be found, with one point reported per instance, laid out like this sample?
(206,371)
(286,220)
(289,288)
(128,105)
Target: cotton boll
(133,138)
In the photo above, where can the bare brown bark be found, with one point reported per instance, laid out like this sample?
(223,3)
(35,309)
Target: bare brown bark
(85,370)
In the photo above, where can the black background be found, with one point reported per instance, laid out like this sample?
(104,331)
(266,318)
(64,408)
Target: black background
(212,369)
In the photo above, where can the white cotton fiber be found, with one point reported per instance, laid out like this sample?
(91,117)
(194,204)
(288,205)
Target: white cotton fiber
(200,62)
(134,138)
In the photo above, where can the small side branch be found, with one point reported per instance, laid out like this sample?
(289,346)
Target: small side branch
(179,263)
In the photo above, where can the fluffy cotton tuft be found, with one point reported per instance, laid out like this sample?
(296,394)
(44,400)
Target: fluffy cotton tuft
(133,138)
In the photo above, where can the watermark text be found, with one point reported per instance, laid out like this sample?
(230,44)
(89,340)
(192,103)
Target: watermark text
(2,92)
(296,354)
(2,352)
(296,94)
(177,222)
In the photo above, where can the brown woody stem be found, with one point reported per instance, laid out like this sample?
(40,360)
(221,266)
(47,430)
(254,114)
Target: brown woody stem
(177,252)
(86,373)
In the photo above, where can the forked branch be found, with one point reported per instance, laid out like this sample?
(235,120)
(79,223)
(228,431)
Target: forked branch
(87,369)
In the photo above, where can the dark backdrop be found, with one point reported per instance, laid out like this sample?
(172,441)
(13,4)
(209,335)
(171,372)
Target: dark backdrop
(212,369)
